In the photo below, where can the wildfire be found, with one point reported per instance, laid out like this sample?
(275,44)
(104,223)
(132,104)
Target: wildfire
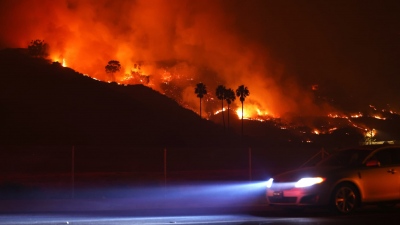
(335,115)
(166,76)
(370,133)
(62,62)
(360,115)
(245,113)
(252,112)
(379,117)
(332,129)
(356,115)
(219,111)
(87,34)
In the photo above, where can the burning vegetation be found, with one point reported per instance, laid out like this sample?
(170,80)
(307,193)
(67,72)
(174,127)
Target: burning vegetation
(168,47)
(171,47)
(170,87)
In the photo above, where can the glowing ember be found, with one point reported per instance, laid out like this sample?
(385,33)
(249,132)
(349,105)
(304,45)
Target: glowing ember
(219,111)
(314,87)
(337,116)
(379,117)
(357,115)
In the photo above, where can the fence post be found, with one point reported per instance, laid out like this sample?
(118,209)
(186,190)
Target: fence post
(165,166)
(73,172)
(250,172)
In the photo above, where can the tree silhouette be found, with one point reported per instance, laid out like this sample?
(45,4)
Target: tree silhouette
(229,97)
(242,92)
(38,49)
(200,90)
(220,93)
(112,67)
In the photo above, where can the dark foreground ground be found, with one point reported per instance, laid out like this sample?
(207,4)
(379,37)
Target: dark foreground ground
(127,211)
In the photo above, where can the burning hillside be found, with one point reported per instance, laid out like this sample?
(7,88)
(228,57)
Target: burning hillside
(169,47)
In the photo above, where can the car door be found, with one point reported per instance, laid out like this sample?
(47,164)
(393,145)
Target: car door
(382,182)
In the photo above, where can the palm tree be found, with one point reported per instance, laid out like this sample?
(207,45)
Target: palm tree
(200,90)
(242,92)
(229,97)
(220,93)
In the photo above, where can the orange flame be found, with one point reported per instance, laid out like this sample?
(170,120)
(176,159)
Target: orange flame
(188,46)
(251,111)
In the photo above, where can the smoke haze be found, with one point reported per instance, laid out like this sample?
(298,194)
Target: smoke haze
(277,50)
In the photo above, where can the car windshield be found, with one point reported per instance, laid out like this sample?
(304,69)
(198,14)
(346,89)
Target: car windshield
(348,157)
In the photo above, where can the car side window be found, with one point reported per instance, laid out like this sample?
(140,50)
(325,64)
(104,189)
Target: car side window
(395,156)
(384,157)
(388,156)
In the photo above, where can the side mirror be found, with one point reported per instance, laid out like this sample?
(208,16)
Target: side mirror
(373,162)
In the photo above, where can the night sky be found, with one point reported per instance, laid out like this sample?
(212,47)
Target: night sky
(279,49)
(353,46)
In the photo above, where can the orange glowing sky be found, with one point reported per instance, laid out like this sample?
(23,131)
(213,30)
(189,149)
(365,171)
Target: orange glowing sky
(185,42)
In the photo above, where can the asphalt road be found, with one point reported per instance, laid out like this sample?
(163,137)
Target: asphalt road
(370,215)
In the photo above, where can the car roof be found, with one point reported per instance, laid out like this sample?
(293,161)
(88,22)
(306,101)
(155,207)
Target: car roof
(361,148)
(370,147)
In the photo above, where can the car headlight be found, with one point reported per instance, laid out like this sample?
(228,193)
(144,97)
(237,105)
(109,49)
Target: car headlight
(269,182)
(309,181)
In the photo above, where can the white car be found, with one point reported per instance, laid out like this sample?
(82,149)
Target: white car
(344,181)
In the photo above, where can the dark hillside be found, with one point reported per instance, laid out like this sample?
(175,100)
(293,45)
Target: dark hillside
(44,103)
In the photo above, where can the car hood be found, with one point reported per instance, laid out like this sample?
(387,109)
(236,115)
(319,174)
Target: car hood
(295,175)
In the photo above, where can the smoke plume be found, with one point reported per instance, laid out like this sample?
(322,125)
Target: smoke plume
(167,45)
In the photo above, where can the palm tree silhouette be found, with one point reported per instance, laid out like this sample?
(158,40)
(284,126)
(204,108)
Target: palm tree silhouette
(220,93)
(200,90)
(229,97)
(242,92)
